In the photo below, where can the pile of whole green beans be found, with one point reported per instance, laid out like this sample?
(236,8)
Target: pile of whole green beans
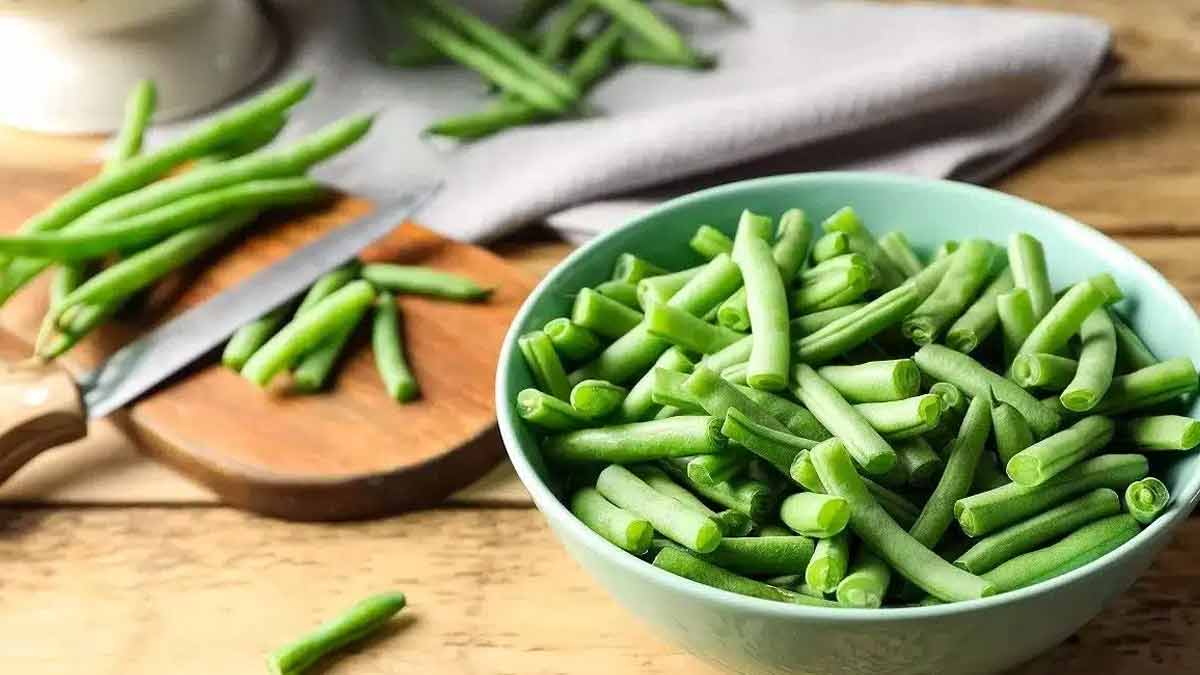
(546,62)
(839,421)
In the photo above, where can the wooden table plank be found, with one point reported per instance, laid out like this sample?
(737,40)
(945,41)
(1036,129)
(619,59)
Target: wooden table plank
(156,590)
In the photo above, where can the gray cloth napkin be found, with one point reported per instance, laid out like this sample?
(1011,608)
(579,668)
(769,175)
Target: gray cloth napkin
(921,89)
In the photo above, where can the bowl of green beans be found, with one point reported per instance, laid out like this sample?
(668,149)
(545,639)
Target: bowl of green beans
(850,422)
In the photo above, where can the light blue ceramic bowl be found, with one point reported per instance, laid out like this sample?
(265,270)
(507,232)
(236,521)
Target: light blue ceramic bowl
(747,635)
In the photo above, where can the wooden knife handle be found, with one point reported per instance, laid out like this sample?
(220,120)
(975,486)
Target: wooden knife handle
(40,408)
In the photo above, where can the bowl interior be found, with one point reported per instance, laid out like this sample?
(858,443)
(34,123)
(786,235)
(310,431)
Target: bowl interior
(928,212)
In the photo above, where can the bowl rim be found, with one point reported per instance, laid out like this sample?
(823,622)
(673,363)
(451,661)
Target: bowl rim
(554,510)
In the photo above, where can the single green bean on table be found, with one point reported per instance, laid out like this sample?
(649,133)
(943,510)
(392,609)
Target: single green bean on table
(1160,432)
(986,512)
(766,300)
(684,526)
(621,291)
(1067,315)
(866,582)
(681,436)
(1011,432)
(969,271)
(814,514)
(896,247)
(691,567)
(1044,371)
(1017,320)
(748,496)
(615,524)
(356,624)
(872,524)
(903,419)
(603,315)
(632,269)
(139,108)
(842,420)
(955,482)
(829,562)
(981,318)
(710,242)
(1143,388)
(544,364)
(595,399)
(1027,260)
(687,331)
(639,402)
(830,245)
(920,462)
(874,381)
(732,523)
(423,281)
(776,447)
(573,342)
(306,331)
(1082,546)
(1145,499)
(1097,361)
(847,221)
(1132,353)
(553,414)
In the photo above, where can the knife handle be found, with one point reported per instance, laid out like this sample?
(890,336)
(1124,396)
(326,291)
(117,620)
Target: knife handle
(40,408)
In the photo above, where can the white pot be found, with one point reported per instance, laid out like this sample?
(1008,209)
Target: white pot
(66,65)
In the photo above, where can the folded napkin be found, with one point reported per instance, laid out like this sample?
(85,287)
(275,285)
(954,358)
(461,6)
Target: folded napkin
(928,90)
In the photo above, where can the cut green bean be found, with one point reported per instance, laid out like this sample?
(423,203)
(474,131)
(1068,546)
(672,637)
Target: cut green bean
(1160,432)
(903,419)
(830,245)
(852,330)
(874,381)
(595,399)
(573,342)
(715,469)
(683,526)
(710,242)
(1149,386)
(766,300)
(981,318)
(1017,320)
(603,315)
(824,402)
(247,339)
(735,374)
(642,21)
(814,515)
(423,281)
(1097,361)
(989,511)
(1027,260)
(313,369)
(811,323)
(795,417)
(1043,371)
(866,583)
(681,436)
(762,556)
(139,107)
(1132,353)
(1012,432)
(732,523)
(748,496)
(879,531)
(1077,549)
(946,365)
(537,407)
(661,288)
(959,474)
(687,331)
(622,292)
(668,389)
(968,272)
(615,524)
(1067,315)
(544,364)
(861,241)
(829,563)
(326,285)
(1054,454)
(690,567)
(791,243)
(897,506)
(307,330)
(836,288)
(356,624)
(776,447)
(717,397)
(1145,499)
(1041,529)
(639,402)
(632,269)
(897,249)
(921,463)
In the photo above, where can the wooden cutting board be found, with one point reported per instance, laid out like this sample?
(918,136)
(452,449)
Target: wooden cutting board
(349,453)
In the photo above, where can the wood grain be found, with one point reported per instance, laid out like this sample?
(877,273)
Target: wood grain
(150,591)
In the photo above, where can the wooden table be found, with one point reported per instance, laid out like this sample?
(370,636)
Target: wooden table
(110,564)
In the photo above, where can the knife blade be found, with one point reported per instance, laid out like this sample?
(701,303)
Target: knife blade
(149,360)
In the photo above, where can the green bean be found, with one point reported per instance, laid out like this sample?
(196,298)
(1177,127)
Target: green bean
(253,140)
(1027,260)
(615,524)
(668,389)
(836,288)
(762,556)
(633,353)
(1043,528)
(83,323)
(829,562)
(989,511)
(732,523)
(1160,432)
(690,567)
(357,623)
(314,368)
(842,262)
(687,331)
(1012,432)
(306,331)
(843,420)
(988,474)
(253,335)
(573,342)
(595,399)
(667,411)
(1044,371)
(897,249)
(945,250)
(903,419)
(795,417)
(981,318)
(1161,382)
(921,463)
(1052,455)
(854,329)
(538,407)
(956,479)
(952,397)
(735,374)
(684,526)
(866,583)
(896,477)
(634,49)
(603,315)
(632,269)
(946,365)
(561,31)
(1132,353)
(767,304)
(879,531)
(1017,320)
(1067,315)
(1077,549)
(710,242)
(898,507)
(662,287)
(861,241)
(622,292)
(639,402)
(642,21)
(968,272)
(814,515)
(748,496)
(1145,499)
(544,364)
(776,447)
(139,107)
(791,243)
(874,381)
(815,321)
(423,281)
(327,284)
(681,436)
(1097,360)
(830,245)
(738,352)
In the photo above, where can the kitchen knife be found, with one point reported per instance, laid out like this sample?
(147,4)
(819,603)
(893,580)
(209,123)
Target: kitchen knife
(42,406)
